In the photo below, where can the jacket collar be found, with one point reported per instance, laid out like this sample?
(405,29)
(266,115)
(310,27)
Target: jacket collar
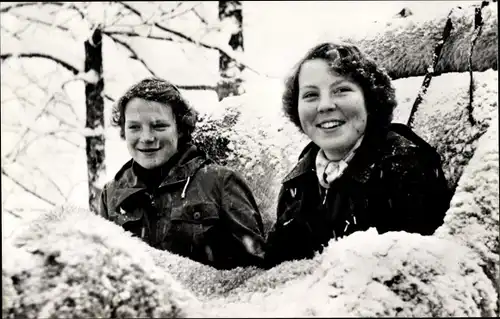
(127,182)
(359,169)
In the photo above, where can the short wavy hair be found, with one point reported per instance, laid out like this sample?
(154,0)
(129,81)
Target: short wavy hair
(161,91)
(347,60)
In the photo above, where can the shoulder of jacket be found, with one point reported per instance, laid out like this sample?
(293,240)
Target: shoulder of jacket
(127,167)
(214,170)
(411,148)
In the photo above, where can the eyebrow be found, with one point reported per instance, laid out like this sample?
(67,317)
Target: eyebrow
(310,86)
(154,122)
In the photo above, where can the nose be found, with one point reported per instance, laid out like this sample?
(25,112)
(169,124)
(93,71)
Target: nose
(326,103)
(147,136)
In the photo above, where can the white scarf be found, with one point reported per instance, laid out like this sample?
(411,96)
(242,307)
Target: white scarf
(327,171)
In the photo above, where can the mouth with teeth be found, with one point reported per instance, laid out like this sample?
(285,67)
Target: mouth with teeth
(331,124)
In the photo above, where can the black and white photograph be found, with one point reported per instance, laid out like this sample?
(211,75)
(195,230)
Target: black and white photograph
(250,159)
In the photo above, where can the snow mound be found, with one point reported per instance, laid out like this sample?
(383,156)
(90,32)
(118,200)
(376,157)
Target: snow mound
(72,263)
(48,274)
(473,217)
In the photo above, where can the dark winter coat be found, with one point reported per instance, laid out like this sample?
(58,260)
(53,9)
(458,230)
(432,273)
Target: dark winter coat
(393,183)
(200,210)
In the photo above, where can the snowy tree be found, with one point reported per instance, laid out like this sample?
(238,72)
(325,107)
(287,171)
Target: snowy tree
(231,18)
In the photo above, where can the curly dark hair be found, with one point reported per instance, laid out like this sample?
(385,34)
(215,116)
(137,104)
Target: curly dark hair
(347,60)
(161,91)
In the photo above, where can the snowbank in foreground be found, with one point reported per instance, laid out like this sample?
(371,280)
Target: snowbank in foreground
(72,262)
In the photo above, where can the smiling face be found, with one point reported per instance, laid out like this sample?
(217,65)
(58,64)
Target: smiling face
(331,108)
(150,132)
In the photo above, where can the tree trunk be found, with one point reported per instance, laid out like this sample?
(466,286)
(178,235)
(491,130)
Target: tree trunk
(95,116)
(231,12)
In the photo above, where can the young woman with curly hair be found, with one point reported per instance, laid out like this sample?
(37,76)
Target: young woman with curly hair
(359,170)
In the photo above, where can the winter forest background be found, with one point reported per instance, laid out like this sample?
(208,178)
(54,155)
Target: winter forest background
(63,64)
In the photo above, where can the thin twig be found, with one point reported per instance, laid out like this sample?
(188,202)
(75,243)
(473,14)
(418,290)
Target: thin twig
(198,15)
(133,54)
(178,14)
(26,189)
(150,70)
(478,27)
(12,213)
(25,4)
(192,40)
(38,21)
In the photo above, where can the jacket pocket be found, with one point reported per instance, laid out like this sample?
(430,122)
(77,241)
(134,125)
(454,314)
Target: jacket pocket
(191,223)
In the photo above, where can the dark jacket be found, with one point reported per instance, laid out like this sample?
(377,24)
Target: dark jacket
(394,182)
(200,210)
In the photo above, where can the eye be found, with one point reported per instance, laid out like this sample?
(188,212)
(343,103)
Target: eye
(160,126)
(309,95)
(133,127)
(342,89)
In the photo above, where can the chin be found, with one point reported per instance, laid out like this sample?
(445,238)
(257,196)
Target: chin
(148,164)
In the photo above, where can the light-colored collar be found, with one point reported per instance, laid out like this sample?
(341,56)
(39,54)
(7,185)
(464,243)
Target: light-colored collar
(327,170)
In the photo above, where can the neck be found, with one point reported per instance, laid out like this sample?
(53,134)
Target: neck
(154,176)
(345,154)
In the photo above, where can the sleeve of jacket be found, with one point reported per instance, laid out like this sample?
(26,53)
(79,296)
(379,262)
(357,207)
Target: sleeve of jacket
(417,191)
(103,209)
(245,222)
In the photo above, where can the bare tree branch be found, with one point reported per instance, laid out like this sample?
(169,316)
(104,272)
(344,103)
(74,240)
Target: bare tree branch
(12,155)
(109,98)
(171,11)
(18,5)
(38,21)
(198,15)
(196,87)
(150,70)
(66,65)
(12,213)
(178,14)
(27,189)
(15,34)
(50,180)
(135,34)
(133,54)
(190,39)
(60,4)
